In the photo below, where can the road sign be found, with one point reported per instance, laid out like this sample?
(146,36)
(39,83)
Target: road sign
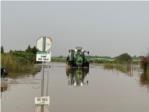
(48,43)
(43,56)
(40,44)
(44,100)
(44,43)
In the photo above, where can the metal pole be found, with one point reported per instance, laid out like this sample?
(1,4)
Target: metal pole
(44,43)
(42,86)
(42,81)
(48,80)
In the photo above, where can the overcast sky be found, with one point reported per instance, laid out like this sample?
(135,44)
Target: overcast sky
(103,28)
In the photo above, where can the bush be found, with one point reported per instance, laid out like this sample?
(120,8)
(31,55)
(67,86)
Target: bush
(124,58)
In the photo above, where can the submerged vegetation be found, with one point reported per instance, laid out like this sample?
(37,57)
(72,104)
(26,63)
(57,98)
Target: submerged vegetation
(144,78)
(123,63)
(145,64)
(125,68)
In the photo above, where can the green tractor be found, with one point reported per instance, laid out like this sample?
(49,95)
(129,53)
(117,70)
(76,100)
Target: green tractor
(77,58)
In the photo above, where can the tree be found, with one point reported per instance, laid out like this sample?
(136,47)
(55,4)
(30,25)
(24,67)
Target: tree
(34,50)
(28,49)
(124,58)
(2,49)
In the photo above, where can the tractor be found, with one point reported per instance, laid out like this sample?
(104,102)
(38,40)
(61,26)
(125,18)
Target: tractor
(77,58)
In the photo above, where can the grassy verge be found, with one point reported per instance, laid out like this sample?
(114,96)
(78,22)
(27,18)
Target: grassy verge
(18,64)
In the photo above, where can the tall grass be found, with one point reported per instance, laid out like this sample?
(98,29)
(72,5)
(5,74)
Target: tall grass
(16,64)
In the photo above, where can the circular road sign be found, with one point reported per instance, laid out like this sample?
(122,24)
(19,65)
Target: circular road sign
(44,43)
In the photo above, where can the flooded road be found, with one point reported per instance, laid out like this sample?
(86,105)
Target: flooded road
(77,90)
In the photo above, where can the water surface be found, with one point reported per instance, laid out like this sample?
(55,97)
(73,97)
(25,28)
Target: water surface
(93,90)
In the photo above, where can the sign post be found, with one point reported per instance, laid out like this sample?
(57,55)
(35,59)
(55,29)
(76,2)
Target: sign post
(44,55)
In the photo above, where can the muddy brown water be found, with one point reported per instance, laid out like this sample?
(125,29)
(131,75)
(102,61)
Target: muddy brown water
(93,90)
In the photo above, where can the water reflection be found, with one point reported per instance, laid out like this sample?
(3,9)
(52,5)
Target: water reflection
(76,76)
(144,78)
(4,84)
(124,68)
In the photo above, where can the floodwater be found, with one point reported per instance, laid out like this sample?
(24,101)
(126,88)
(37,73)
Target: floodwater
(77,90)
